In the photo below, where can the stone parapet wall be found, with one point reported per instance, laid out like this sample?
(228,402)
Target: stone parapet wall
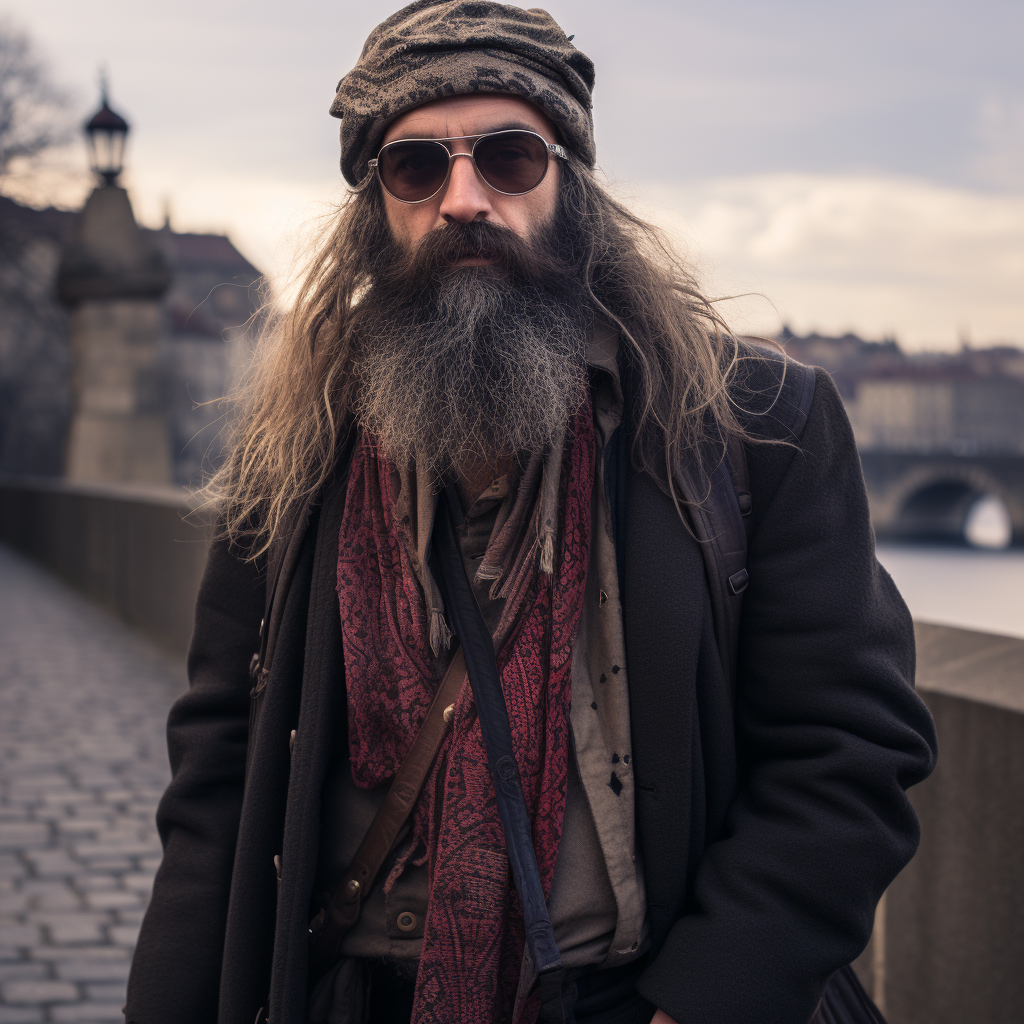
(949,938)
(128,547)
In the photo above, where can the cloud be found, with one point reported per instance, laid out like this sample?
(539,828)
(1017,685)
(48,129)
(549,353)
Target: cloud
(999,126)
(788,143)
(878,254)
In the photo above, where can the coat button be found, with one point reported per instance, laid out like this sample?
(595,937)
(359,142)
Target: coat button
(406,921)
(277,865)
(291,741)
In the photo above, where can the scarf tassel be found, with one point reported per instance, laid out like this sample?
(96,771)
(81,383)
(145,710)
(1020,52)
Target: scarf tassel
(440,634)
(547,553)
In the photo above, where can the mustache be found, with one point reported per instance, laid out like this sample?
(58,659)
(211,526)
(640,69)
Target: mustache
(519,261)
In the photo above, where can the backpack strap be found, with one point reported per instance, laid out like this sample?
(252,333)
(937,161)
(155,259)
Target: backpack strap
(720,513)
(492,714)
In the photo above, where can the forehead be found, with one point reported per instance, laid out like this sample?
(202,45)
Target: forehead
(469,115)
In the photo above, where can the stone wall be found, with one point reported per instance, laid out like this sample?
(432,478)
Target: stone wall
(130,548)
(949,940)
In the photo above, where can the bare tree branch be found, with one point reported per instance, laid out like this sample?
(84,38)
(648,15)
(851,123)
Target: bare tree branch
(33,112)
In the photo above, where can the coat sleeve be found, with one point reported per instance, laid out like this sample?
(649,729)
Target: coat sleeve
(830,733)
(175,972)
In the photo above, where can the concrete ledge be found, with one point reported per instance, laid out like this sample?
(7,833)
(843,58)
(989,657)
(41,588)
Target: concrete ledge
(975,666)
(949,938)
(127,547)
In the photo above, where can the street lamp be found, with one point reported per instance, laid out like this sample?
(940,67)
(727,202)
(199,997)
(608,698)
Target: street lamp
(106,132)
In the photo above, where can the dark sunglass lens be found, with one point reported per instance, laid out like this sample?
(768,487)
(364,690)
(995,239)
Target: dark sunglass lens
(413,171)
(512,162)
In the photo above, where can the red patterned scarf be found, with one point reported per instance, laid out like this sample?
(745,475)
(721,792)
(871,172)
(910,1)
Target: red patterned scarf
(474,937)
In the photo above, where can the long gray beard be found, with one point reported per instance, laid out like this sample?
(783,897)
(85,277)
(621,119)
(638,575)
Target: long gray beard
(475,368)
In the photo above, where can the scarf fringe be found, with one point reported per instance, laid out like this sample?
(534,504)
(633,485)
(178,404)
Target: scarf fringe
(547,554)
(440,634)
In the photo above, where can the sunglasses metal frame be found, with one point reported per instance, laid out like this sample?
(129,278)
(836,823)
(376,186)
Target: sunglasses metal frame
(552,148)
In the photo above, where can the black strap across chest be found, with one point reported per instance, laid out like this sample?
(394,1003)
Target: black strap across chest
(468,625)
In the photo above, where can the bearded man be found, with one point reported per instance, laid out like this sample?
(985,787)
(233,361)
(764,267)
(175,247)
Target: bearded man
(491,433)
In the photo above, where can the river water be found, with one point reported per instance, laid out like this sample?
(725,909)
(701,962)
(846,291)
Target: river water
(967,587)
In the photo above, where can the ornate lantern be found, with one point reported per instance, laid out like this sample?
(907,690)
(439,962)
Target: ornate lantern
(106,132)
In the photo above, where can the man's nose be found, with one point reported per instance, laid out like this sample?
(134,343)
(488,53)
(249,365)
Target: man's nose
(466,198)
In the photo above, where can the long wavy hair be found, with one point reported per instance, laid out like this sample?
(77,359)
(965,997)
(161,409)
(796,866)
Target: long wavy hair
(292,411)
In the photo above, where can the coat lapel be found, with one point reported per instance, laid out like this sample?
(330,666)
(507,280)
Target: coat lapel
(319,727)
(667,618)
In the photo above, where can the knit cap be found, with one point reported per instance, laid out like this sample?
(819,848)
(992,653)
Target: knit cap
(432,49)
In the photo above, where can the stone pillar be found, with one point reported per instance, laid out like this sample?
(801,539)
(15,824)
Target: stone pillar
(112,277)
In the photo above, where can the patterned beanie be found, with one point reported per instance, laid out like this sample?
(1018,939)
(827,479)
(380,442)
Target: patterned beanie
(437,48)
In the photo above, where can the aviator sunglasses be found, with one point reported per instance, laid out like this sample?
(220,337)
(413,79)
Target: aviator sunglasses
(512,162)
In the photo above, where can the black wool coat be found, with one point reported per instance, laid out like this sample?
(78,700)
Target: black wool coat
(770,818)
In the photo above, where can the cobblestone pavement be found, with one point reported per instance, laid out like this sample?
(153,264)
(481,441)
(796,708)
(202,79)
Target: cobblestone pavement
(83,761)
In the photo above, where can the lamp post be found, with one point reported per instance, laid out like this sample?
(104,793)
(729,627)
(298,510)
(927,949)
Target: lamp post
(112,276)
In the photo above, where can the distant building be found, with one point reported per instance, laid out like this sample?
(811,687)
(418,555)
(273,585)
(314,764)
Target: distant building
(211,315)
(954,413)
(847,358)
(967,403)
(214,294)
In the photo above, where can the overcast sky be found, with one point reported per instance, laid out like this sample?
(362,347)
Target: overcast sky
(861,165)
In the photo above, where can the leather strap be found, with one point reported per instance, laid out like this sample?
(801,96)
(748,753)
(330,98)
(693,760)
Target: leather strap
(328,928)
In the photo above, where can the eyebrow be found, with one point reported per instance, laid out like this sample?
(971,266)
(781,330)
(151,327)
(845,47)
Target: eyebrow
(503,126)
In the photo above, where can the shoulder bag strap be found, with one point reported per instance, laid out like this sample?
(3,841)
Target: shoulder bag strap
(328,928)
(468,624)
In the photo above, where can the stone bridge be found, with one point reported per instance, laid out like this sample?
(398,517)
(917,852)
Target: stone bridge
(928,496)
(83,761)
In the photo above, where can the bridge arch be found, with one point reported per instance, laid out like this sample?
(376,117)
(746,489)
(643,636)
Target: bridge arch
(934,503)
